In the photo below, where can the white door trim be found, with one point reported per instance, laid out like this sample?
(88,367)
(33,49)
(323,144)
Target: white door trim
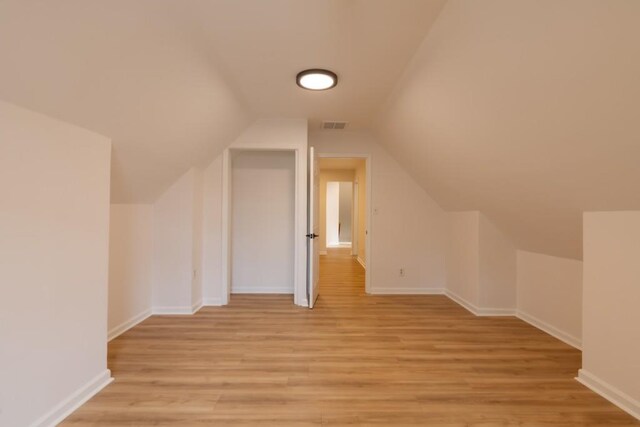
(300,220)
(355,211)
(368,209)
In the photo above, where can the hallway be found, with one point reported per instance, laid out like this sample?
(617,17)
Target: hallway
(341,278)
(354,359)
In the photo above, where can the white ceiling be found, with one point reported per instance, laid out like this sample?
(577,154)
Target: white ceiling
(173,81)
(262,45)
(130,70)
(526,110)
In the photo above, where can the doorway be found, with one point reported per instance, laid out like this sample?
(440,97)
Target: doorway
(339,218)
(343,220)
(262,222)
(255,159)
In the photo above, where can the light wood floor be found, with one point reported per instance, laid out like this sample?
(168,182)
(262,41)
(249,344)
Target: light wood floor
(354,359)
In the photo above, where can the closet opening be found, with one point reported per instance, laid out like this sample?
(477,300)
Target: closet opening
(262,223)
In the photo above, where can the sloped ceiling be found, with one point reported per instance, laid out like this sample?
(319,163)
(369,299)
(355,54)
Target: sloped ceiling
(527,110)
(172,82)
(263,44)
(130,70)
(524,109)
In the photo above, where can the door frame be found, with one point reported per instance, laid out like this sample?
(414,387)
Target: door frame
(368,209)
(355,211)
(300,219)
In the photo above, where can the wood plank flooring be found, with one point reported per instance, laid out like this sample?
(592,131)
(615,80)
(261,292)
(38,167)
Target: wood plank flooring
(353,360)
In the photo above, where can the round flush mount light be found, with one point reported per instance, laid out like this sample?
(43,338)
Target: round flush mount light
(317,79)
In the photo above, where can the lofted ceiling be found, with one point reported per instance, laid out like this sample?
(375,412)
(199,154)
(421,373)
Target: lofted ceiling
(524,109)
(264,44)
(527,111)
(172,82)
(133,71)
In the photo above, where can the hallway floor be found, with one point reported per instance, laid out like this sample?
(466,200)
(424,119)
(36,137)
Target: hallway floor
(354,359)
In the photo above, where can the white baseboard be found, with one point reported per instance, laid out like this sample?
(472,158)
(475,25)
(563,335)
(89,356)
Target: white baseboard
(550,329)
(62,410)
(496,312)
(212,301)
(185,310)
(533,321)
(197,306)
(261,290)
(461,301)
(479,311)
(361,262)
(128,324)
(406,291)
(609,392)
(172,310)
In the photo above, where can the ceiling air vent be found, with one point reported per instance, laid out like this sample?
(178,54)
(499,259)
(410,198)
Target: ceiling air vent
(334,125)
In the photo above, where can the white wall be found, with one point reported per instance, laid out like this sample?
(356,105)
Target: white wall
(611,315)
(332,213)
(262,221)
(415,240)
(345,202)
(550,294)
(173,247)
(408,229)
(212,234)
(463,260)
(497,267)
(54,234)
(488,276)
(130,266)
(197,241)
(481,265)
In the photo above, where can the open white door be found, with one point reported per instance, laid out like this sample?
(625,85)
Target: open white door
(313,255)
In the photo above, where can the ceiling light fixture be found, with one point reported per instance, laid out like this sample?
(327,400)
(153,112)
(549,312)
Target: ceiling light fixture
(317,79)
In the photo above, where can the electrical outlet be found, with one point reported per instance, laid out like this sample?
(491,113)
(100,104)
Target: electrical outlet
(402,272)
